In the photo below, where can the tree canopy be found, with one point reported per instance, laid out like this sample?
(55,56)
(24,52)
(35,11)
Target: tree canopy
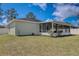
(31,15)
(11,14)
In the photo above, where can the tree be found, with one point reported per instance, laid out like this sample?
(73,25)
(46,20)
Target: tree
(11,14)
(78,20)
(30,15)
(1,11)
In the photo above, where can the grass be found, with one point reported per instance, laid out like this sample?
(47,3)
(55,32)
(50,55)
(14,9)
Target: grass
(39,45)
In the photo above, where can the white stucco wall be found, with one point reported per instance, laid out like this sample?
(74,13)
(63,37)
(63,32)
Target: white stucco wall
(27,28)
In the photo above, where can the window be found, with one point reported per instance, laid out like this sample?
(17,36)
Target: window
(44,27)
(67,29)
(40,27)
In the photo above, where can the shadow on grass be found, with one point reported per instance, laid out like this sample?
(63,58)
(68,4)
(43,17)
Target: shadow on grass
(47,36)
(63,36)
(26,35)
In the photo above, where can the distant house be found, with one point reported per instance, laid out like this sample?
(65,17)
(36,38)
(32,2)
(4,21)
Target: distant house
(3,30)
(34,27)
(75,30)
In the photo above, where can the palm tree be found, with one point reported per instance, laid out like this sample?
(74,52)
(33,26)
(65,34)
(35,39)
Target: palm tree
(11,14)
(30,15)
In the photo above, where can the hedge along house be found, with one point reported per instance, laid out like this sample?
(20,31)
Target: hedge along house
(30,27)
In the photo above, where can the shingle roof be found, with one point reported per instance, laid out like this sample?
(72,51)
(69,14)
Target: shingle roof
(62,23)
(58,22)
(34,20)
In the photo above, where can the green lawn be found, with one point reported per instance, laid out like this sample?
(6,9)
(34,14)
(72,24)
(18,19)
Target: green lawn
(39,45)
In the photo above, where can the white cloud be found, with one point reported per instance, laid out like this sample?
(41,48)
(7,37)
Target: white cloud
(4,18)
(48,20)
(5,21)
(41,5)
(65,10)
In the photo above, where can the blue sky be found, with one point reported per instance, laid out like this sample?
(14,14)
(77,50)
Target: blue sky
(22,9)
(46,11)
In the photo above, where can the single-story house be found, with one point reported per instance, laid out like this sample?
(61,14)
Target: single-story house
(34,27)
(3,30)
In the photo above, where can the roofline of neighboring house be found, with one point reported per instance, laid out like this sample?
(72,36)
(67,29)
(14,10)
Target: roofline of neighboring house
(3,26)
(61,23)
